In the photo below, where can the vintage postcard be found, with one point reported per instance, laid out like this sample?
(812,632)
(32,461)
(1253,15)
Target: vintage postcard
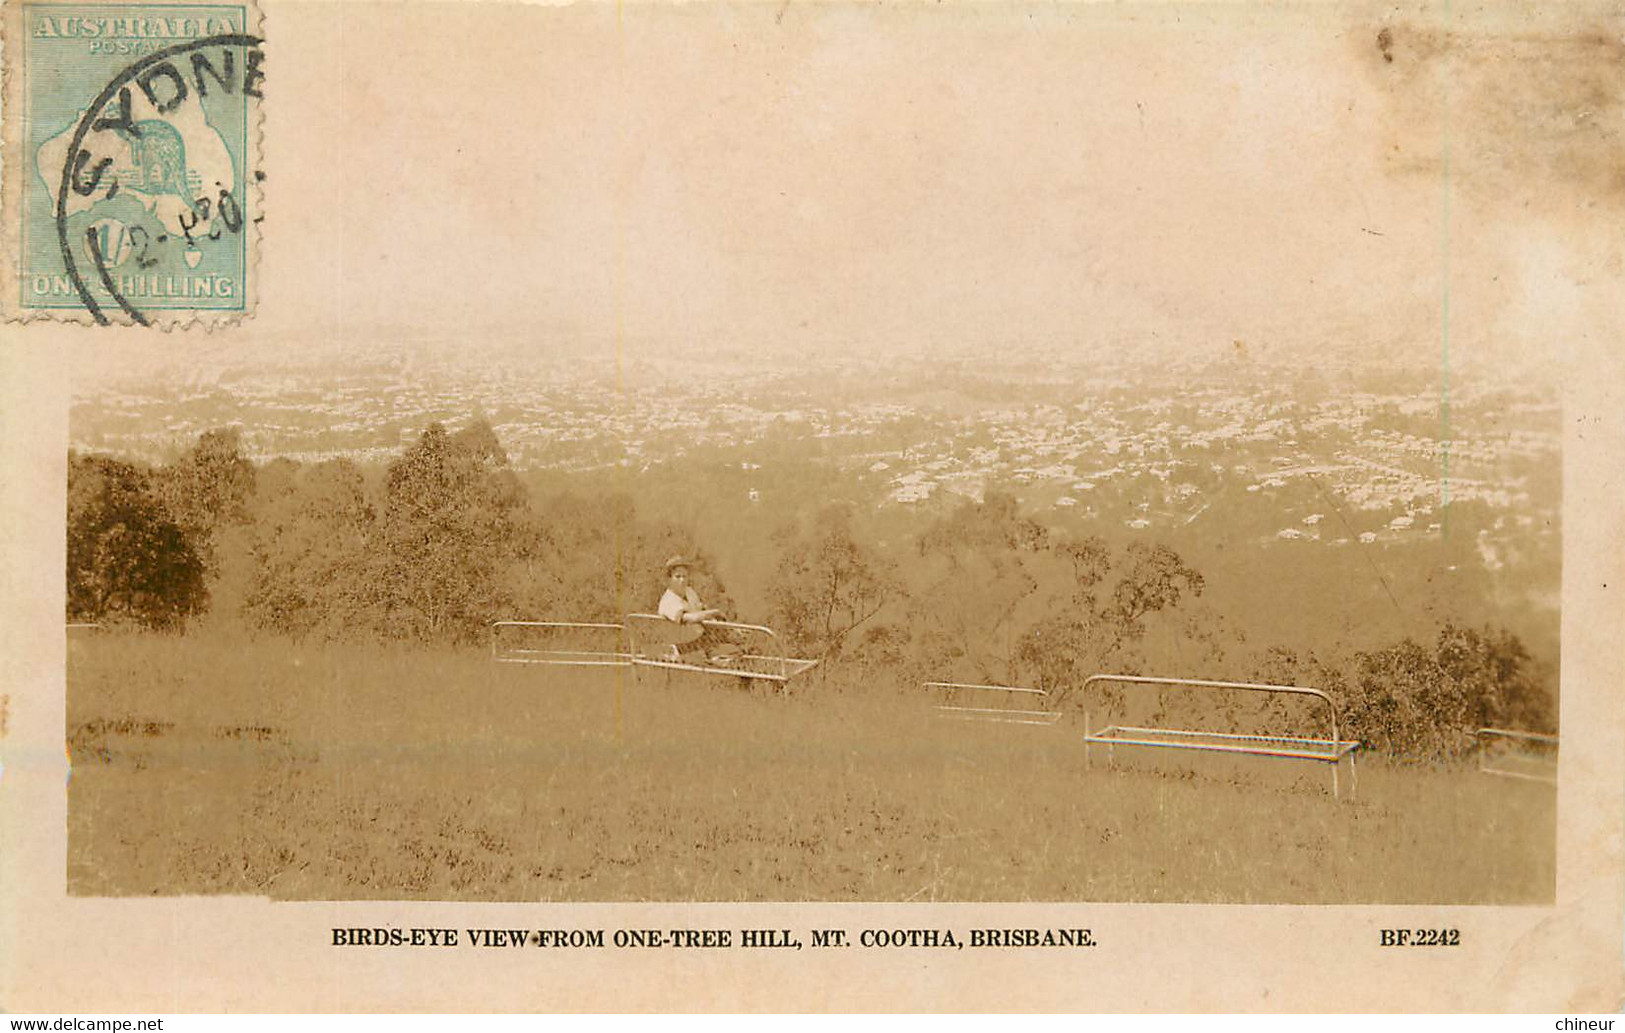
(813,506)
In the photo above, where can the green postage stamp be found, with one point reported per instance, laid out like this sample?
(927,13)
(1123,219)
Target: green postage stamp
(134,188)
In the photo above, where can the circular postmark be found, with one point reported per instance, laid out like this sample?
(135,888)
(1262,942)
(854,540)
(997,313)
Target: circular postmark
(148,139)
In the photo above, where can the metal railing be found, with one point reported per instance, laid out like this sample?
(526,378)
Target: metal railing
(997,715)
(1496,746)
(507,653)
(1325,750)
(653,642)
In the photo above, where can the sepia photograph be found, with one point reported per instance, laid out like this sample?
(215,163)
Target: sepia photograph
(750,627)
(975,465)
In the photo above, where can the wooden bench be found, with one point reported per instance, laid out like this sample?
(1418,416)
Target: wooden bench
(1330,750)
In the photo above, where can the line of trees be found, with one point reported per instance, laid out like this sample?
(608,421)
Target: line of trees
(446,539)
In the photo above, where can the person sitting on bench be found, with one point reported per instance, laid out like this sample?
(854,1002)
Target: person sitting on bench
(681,605)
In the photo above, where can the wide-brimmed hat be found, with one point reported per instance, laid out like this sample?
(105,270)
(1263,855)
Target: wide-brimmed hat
(677,561)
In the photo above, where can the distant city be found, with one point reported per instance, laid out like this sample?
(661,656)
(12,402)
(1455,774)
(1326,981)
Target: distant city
(1339,459)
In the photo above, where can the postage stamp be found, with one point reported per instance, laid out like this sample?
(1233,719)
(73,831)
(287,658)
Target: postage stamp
(134,188)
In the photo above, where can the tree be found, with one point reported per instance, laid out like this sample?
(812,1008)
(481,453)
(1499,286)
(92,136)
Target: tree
(827,585)
(591,557)
(316,556)
(991,566)
(208,488)
(1498,677)
(449,517)
(1393,701)
(993,525)
(1413,701)
(1086,634)
(1155,579)
(128,560)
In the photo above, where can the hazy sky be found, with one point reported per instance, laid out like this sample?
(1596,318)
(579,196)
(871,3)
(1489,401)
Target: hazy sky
(836,177)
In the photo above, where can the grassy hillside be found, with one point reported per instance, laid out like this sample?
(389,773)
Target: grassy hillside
(208,765)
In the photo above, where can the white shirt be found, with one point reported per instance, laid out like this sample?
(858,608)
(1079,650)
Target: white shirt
(673,606)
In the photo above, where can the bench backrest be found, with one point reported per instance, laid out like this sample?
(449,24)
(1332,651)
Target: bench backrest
(998,704)
(1203,683)
(648,632)
(566,643)
(1518,754)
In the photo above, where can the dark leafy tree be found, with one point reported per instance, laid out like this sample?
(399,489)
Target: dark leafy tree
(128,559)
(1410,700)
(1498,677)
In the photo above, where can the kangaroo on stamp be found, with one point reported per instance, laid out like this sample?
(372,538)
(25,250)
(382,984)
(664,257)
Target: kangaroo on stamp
(134,184)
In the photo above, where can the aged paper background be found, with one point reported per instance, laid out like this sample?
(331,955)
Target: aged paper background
(411,165)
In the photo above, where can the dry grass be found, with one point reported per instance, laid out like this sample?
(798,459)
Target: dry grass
(215,767)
